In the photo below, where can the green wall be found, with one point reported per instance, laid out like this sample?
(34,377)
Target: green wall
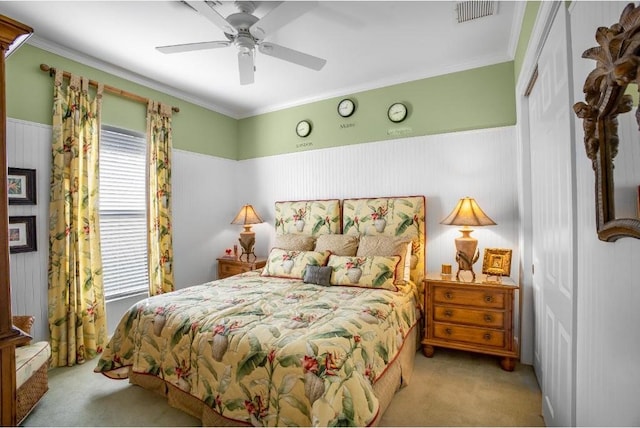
(30,98)
(472,99)
(528,21)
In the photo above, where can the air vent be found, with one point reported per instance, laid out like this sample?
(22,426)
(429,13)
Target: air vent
(210,3)
(474,9)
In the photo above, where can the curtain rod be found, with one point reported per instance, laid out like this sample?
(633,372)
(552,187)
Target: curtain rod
(108,88)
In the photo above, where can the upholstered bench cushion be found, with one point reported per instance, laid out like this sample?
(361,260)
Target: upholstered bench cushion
(29,359)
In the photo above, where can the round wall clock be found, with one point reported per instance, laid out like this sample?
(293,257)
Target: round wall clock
(397,112)
(346,107)
(303,128)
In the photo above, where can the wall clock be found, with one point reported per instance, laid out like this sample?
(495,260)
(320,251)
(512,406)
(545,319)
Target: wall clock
(346,107)
(397,112)
(303,128)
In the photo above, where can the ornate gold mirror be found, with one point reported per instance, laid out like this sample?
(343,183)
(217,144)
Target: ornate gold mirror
(617,62)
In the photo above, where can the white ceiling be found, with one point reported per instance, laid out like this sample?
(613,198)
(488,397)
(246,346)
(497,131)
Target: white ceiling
(367,44)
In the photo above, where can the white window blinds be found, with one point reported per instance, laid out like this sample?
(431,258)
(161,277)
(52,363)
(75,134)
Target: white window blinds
(123,214)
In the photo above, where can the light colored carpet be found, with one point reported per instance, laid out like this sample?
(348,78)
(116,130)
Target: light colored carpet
(451,389)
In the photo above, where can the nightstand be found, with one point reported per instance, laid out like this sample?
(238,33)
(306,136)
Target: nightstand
(471,316)
(229,267)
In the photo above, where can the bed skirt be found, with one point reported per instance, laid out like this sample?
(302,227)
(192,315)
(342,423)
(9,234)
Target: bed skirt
(397,375)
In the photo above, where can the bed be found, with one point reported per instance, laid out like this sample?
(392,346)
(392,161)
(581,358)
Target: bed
(324,335)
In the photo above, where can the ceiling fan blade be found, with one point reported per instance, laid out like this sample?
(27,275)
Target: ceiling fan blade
(292,55)
(286,12)
(187,47)
(208,12)
(245,67)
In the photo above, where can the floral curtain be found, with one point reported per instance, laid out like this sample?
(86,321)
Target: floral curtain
(159,198)
(77,320)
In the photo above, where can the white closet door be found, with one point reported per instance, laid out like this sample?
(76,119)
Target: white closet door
(552,166)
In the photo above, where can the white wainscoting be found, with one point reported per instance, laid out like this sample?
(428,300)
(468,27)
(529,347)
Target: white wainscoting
(28,146)
(208,192)
(204,204)
(608,285)
(443,168)
(205,195)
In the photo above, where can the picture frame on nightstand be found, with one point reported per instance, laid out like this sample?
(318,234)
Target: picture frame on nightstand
(496,262)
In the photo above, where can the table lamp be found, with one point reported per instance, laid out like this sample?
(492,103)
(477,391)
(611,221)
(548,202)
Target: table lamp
(246,217)
(467,213)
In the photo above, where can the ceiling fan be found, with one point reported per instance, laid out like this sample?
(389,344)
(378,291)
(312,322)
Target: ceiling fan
(246,31)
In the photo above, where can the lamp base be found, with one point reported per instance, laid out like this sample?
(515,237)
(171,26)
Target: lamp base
(466,252)
(247,240)
(465,265)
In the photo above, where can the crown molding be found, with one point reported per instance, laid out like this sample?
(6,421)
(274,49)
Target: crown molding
(106,67)
(385,82)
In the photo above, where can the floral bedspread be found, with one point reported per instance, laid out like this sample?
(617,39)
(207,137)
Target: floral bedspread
(268,351)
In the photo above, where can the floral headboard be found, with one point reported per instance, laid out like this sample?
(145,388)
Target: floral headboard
(397,216)
(317,217)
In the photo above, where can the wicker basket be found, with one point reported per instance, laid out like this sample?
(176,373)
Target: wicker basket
(30,392)
(28,395)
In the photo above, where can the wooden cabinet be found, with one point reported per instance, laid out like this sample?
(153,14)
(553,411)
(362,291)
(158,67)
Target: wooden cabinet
(230,267)
(473,316)
(10,337)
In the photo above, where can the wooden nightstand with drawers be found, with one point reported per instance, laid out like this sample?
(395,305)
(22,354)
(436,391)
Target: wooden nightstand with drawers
(229,267)
(473,316)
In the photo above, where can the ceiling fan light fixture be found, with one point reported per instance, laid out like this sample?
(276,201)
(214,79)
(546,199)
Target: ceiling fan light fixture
(246,67)
(244,43)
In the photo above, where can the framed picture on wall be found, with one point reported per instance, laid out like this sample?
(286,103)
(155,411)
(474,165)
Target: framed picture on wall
(21,186)
(496,261)
(22,234)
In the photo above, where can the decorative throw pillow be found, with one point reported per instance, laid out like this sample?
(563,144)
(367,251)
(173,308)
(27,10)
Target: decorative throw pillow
(379,245)
(320,275)
(340,245)
(292,264)
(369,272)
(295,242)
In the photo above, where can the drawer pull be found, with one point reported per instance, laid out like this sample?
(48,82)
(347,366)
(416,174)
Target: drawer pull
(488,298)
(448,295)
(448,313)
(488,318)
(487,336)
(448,331)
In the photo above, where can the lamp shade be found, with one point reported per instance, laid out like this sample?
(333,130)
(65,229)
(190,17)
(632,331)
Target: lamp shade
(468,213)
(247,215)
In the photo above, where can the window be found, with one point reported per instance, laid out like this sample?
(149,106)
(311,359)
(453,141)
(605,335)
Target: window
(123,213)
